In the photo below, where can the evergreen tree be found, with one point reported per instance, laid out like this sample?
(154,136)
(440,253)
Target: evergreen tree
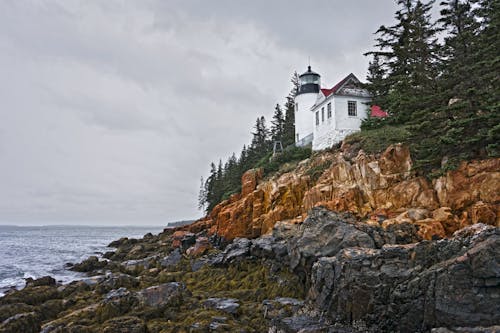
(260,141)
(277,124)
(289,122)
(457,55)
(407,59)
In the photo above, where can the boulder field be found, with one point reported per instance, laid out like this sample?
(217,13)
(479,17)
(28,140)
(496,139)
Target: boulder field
(376,188)
(331,273)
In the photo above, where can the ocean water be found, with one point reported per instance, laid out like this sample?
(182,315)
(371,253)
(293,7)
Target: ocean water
(38,251)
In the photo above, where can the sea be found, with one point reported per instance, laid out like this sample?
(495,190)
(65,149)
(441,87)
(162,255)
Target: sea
(46,250)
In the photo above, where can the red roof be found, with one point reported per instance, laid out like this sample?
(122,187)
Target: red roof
(335,88)
(377,112)
(326,92)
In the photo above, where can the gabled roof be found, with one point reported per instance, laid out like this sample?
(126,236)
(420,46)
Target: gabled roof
(338,86)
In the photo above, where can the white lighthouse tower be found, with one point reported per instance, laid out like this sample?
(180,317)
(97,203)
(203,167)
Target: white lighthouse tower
(309,85)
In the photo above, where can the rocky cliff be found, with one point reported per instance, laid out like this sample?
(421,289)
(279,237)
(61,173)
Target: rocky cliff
(380,189)
(388,251)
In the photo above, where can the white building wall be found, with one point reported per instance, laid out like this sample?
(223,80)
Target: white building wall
(332,131)
(303,123)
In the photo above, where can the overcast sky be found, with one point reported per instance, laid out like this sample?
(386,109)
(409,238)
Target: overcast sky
(111,111)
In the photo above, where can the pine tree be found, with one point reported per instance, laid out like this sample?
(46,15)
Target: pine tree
(277,124)
(260,141)
(407,54)
(289,122)
(457,54)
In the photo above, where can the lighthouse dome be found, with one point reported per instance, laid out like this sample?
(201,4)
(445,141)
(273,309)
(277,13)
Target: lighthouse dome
(309,82)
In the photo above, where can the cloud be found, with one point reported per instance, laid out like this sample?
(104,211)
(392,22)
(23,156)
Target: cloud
(112,110)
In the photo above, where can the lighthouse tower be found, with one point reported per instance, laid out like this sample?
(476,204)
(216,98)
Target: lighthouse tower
(309,85)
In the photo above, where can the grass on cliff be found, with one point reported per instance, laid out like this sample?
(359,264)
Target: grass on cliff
(376,140)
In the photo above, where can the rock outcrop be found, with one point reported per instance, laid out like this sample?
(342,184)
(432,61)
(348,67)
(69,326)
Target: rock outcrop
(373,187)
(412,288)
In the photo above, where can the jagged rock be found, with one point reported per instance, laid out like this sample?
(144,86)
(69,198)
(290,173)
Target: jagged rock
(201,246)
(116,294)
(268,247)
(183,239)
(121,242)
(23,322)
(9,310)
(491,329)
(409,288)
(118,280)
(88,265)
(363,185)
(299,323)
(237,250)
(324,233)
(93,280)
(165,294)
(134,265)
(172,259)
(229,305)
(281,307)
(43,281)
(284,230)
(125,324)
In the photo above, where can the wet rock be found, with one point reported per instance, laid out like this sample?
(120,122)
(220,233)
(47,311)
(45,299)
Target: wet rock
(121,242)
(172,259)
(93,280)
(125,324)
(229,305)
(139,264)
(31,295)
(237,250)
(116,303)
(267,247)
(324,233)
(406,288)
(117,280)
(88,265)
(43,281)
(9,310)
(299,323)
(197,264)
(284,230)
(491,329)
(201,246)
(166,294)
(183,239)
(281,307)
(23,322)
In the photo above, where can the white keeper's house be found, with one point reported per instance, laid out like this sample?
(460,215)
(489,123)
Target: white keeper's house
(324,116)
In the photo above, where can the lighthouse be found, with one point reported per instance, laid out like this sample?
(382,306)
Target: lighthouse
(309,87)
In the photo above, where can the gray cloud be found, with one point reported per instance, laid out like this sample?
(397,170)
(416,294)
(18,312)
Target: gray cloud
(112,110)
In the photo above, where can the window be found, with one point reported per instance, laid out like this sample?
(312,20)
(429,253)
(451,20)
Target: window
(351,108)
(322,114)
(317,118)
(329,110)
(296,107)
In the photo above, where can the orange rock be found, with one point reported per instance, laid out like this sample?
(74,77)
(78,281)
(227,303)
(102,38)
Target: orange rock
(484,213)
(371,186)
(249,181)
(201,246)
(430,228)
